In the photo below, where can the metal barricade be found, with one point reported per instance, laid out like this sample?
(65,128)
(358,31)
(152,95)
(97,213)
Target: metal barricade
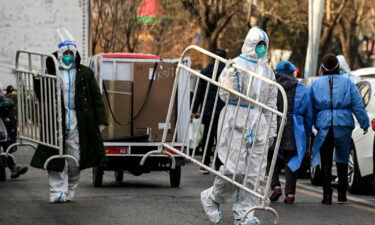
(167,148)
(39,104)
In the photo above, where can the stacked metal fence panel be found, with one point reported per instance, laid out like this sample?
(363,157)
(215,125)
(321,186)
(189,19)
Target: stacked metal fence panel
(39,103)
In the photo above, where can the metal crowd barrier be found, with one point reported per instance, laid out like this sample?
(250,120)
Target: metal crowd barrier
(167,148)
(39,104)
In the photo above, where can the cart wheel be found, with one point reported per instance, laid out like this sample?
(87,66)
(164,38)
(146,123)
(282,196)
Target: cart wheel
(2,169)
(97,176)
(175,176)
(119,176)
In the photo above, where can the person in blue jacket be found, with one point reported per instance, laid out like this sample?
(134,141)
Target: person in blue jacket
(296,132)
(334,99)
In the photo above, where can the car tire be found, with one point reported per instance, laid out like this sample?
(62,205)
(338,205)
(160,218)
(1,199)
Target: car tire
(356,183)
(119,175)
(316,176)
(2,169)
(175,176)
(97,176)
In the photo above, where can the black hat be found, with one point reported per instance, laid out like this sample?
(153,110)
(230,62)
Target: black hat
(10,89)
(220,52)
(330,65)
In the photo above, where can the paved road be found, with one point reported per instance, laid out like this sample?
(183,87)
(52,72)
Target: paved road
(148,199)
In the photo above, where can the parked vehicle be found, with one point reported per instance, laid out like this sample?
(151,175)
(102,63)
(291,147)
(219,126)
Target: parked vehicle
(361,160)
(365,72)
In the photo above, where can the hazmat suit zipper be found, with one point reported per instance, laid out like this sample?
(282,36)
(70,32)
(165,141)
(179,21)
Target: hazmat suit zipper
(68,129)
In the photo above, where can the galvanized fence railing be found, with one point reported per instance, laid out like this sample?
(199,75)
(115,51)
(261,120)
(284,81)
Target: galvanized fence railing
(39,104)
(254,111)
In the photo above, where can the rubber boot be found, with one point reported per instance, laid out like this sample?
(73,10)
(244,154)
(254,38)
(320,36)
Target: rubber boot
(327,198)
(342,170)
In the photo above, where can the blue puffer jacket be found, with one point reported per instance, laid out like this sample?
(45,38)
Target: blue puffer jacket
(336,111)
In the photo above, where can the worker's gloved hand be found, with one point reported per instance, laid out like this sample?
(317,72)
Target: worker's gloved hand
(101,127)
(229,80)
(365,131)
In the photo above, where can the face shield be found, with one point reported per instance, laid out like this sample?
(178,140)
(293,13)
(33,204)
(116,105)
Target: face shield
(67,49)
(344,67)
(330,65)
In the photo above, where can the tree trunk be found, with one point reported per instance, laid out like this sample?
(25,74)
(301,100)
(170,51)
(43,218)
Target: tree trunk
(209,44)
(349,43)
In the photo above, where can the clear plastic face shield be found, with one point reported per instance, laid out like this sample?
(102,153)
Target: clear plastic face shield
(67,48)
(323,69)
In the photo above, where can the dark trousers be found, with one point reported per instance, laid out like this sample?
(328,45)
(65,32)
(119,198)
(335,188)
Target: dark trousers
(213,136)
(290,177)
(326,156)
(9,160)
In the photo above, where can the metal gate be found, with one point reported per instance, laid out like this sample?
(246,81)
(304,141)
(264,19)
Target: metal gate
(39,104)
(167,148)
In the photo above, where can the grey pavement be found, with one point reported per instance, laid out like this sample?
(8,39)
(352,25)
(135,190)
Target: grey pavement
(148,199)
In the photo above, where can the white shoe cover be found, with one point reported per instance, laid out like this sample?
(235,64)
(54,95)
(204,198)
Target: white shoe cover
(70,196)
(248,221)
(57,197)
(211,207)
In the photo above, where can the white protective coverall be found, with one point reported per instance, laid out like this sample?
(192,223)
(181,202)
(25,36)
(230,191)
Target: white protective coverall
(267,94)
(63,184)
(344,66)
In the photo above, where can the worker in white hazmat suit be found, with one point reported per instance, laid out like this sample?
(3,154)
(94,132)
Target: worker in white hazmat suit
(84,117)
(345,70)
(245,134)
(63,184)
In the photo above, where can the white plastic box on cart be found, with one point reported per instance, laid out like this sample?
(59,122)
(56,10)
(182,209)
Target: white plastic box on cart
(136,90)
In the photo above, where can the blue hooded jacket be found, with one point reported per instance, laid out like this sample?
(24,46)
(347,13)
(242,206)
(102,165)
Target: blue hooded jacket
(302,124)
(300,119)
(346,100)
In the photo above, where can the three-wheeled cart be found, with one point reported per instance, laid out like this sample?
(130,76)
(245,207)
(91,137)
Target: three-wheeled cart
(136,89)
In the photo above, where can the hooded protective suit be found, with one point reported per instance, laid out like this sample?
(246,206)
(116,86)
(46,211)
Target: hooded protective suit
(243,133)
(346,70)
(63,184)
(83,115)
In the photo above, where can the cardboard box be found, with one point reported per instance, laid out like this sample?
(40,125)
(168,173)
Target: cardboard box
(154,111)
(120,99)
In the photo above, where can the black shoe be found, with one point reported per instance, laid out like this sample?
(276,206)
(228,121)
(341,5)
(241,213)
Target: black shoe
(276,193)
(18,171)
(327,199)
(341,198)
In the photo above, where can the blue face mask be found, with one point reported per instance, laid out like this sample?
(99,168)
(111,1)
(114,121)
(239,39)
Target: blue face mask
(67,59)
(342,72)
(260,50)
